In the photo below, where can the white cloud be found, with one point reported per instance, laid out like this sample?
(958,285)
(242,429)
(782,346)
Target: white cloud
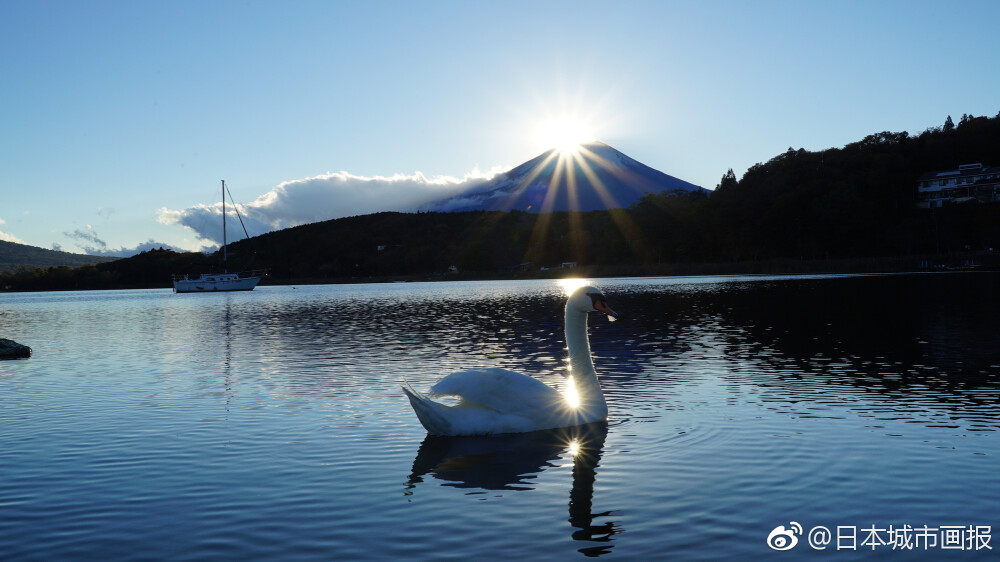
(10,237)
(324,197)
(6,237)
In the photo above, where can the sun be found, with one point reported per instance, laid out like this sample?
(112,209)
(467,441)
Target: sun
(564,134)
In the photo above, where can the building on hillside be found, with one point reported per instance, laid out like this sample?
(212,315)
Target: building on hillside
(969,183)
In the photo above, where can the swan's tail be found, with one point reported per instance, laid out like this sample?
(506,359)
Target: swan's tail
(430,413)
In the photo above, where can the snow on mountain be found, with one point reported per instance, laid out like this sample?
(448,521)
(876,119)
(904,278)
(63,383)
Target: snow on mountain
(597,177)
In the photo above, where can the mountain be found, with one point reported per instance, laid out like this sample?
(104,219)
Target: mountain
(597,177)
(14,256)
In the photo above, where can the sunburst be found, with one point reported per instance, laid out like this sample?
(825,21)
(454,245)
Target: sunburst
(565,134)
(573,161)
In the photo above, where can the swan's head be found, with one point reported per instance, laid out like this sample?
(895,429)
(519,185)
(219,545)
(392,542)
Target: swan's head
(590,299)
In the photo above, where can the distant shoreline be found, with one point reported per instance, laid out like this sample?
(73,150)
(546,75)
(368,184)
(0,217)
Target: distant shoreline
(974,261)
(984,261)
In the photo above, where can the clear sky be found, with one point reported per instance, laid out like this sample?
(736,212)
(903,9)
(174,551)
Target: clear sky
(119,118)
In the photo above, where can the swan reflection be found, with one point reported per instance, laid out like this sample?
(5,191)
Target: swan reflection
(512,462)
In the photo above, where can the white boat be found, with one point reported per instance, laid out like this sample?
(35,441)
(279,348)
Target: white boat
(210,282)
(225,281)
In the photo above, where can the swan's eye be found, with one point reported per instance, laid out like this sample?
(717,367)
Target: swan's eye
(601,305)
(598,301)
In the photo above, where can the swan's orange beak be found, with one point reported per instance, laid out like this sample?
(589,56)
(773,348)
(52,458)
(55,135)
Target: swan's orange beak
(601,306)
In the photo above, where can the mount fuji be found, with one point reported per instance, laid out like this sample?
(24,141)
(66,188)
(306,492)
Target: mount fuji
(594,177)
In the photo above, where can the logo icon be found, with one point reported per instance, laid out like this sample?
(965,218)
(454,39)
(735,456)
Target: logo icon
(784,539)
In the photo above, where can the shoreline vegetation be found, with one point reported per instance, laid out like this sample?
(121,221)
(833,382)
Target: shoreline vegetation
(841,210)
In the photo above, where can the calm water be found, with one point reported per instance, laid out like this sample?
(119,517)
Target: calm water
(270,425)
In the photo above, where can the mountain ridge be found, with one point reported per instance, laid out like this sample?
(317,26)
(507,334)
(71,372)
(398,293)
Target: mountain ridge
(597,177)
(14,256)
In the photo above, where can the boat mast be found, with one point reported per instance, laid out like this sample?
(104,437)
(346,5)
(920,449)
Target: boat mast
(225,257)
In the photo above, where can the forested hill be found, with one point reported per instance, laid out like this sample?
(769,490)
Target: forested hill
(858,201)
(14,256)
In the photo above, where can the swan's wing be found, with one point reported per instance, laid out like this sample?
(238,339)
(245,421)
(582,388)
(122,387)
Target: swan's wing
(498,389)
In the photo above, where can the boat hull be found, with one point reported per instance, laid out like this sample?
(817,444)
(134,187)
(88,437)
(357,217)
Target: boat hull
(216,283)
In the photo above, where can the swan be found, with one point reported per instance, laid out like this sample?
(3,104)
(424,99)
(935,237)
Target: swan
(500,401)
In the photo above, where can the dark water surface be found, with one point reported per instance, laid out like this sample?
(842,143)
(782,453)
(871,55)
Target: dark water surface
(270,425)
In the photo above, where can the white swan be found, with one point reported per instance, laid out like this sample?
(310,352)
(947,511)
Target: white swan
(502,401)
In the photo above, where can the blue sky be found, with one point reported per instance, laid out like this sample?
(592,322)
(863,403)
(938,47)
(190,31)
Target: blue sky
(120,118)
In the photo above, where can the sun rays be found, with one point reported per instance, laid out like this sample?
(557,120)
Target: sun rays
(574,172)
(576,164)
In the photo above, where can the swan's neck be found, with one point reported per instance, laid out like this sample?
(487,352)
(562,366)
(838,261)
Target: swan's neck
(592,405)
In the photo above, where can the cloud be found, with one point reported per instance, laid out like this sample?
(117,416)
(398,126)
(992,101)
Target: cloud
(124,252)
(89,235)
(10,237)
(324,197)
(93,245)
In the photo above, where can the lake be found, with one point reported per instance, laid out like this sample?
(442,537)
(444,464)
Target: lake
(747,414)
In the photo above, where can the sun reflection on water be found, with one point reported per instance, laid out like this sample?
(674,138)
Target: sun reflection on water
(573,448)
(571,284)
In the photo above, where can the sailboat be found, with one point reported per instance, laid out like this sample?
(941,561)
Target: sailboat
(225,281)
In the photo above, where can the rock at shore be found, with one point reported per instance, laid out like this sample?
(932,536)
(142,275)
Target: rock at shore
(10,349)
